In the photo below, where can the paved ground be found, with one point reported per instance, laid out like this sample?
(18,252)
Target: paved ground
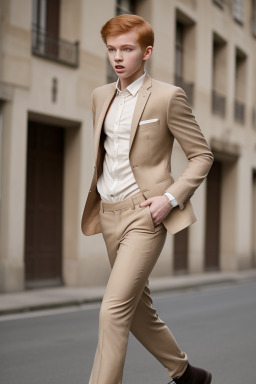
(215,325)
(39,299)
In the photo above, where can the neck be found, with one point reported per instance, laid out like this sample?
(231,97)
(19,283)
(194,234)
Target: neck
(124,83)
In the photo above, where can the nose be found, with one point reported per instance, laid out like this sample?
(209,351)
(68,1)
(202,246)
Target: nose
(118,56)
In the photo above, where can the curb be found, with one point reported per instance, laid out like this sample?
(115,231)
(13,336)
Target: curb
(157,285)
(42,307)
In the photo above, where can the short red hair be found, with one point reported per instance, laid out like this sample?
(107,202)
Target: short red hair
(125,23)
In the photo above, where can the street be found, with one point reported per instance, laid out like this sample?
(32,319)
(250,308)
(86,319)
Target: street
(215,326)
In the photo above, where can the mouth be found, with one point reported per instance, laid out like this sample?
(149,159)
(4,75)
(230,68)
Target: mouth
(119,66)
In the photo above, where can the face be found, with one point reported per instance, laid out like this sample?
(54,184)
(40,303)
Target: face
(127,57)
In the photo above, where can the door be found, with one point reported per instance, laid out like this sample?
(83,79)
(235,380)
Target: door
(181,251)
(213,205)
(43,236)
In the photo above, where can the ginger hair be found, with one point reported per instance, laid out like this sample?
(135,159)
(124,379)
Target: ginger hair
(126,23)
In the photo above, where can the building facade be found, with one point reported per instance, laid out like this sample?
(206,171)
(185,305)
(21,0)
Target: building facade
(51,58)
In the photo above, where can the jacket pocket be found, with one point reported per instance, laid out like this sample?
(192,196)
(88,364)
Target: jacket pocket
(150,217)
(149,125)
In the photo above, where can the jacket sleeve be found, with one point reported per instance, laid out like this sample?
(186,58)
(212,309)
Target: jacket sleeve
(183,126)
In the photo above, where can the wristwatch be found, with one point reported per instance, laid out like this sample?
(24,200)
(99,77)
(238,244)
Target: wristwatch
(172,199)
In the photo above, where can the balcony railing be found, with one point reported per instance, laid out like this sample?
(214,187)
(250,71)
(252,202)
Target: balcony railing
(239,109)
(53,48)
(218,104)
(188,88)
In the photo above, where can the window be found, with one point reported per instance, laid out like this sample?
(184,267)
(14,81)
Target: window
(185,54)
(238,10)
(253,17)
(219,76)
(240,86)
(45,34)
(39,13)
(46,16)
(179,48)
(125,6)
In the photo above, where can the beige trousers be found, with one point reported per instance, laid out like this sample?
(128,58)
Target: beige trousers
(133,245)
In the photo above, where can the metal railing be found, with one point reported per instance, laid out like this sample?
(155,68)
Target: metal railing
(239,111)
(218,104)
(53,48)
(188,88)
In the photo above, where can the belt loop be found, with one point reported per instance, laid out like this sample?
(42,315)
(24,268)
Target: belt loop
(132,203)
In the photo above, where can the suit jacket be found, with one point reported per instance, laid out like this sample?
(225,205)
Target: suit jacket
(150,150)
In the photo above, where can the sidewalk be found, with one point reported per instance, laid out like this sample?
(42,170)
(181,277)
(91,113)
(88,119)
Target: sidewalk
(48,298)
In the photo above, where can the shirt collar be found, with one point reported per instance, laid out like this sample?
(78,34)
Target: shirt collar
(133,87)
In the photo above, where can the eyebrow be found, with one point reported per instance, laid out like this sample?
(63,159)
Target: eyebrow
(124,45)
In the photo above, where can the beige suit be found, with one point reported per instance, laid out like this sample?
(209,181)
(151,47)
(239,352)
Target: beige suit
(151,149)
(132,240)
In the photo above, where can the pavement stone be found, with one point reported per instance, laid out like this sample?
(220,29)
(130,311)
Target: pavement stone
(48,298)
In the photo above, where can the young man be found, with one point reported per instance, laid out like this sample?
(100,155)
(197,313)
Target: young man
(135,123)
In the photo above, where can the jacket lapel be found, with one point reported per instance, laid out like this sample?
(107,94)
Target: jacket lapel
(99,122)
(143,96)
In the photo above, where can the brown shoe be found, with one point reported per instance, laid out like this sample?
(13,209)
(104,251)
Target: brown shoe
(193,375)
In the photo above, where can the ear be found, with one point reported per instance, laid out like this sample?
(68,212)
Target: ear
(147,52)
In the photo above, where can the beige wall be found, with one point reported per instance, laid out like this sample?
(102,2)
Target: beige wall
(25,90)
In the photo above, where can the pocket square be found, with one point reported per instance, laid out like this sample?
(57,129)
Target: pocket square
(148,121)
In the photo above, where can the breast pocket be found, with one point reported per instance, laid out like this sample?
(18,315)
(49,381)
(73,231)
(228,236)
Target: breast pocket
(147,124)
(148,136)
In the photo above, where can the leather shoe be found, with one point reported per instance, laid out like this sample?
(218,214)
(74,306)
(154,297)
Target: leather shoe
(193,375)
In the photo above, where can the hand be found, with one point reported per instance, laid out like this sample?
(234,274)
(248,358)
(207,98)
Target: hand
(159,207)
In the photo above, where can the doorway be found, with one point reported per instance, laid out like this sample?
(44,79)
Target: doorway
(181,252)
(213,206)
(44,197)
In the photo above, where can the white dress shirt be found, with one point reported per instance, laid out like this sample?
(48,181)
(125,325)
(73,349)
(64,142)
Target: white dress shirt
(117,181)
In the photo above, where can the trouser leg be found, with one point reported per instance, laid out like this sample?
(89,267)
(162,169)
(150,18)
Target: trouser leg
(133,247)
(156,337)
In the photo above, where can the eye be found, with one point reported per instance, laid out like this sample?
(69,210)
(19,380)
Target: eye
(127,49)
(110,49)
